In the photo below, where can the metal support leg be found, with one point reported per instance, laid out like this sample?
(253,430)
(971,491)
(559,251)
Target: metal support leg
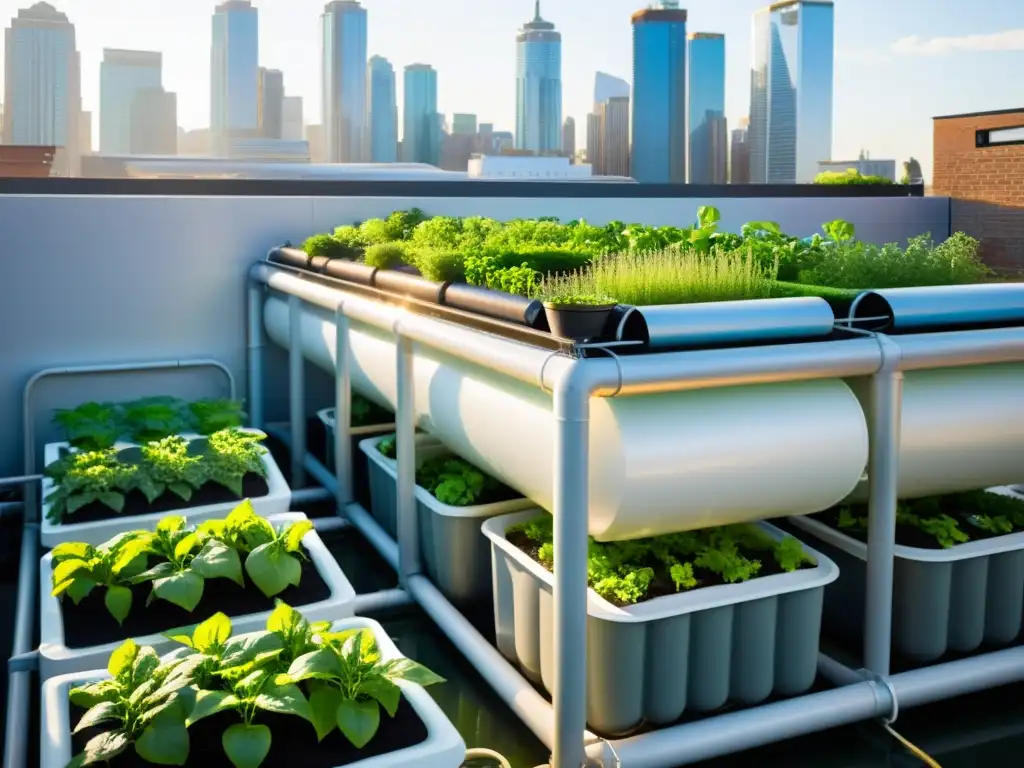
(296,391)
(571,507)
(254,368)
(19,682)
(883,476)
(342,411)
(405,443)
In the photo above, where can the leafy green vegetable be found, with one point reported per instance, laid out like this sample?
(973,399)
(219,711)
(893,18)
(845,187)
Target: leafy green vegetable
(214,415)
(386,255)
(578,299)
(88,477)
(457,483)
(388,446)
(79,568)
(231,455)
(91,426)
(167,466)
(154,418)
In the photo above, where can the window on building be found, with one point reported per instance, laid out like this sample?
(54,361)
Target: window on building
(994,137)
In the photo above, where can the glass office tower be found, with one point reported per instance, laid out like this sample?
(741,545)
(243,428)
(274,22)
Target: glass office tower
(791,91)
(708,134)
(234,80)
(421,134)
(344,82)
(539,86)
(383,111)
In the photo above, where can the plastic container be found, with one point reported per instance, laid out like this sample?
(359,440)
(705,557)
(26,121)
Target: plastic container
(456,554)
(275,501)
(381,473)
(956,599)
(55,658)
(579,322)
(677,654)
(360,469)
(443,747)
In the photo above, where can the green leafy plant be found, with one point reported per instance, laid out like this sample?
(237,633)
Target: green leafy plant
(88,477)
(167,466)
(326,245)
(365,412)
(569,299)
(350,239)
(388,446)
(386,255)
(154,418)
(214,415)
(79,568)
(91,426)
(456,482)
(231,455)
(143,704)
(850,176)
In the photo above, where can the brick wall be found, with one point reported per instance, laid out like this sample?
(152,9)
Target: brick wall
(986,185)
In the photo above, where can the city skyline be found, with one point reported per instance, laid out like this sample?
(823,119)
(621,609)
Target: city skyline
(883,50)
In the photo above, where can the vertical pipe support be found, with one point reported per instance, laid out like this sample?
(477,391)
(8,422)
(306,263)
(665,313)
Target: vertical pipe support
(19,682)
(254,350)
(343,470)
(884,418)
(296,392)
(405,444)
(571,513)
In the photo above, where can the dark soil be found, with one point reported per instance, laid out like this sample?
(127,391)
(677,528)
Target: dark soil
(135,503)
(909,535)
(293,741)
(662,584)
(90,623)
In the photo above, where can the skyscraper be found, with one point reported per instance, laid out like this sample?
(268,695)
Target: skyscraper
(739,154)
(344,82)
(234,75)
(569,137)
(708,139)
(421,133)
(153,122)
(608,87)
(293,126)
(538,86)
(383,111)
(791,91)
(614,114)
(271,103)
(659,95)
(122,75)
(595,155)
(463,123)
(42,97)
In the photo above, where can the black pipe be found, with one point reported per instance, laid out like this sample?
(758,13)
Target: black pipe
(497,304)
(352,271)
(407,284)
(293,257)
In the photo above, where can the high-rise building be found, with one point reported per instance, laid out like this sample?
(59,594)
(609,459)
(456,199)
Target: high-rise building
(153,123)
(608,87)
(84,133)
(42,81)
(122,75)
(421,131)
(234,73)
(271,103)
(659,95)
(317,140)
(739,154)
(463,123)
(538,86)
(293,127)
(614,116)
(791,91)
(344,82)
(709,136)
(595,155)
(383,111)
(569,137)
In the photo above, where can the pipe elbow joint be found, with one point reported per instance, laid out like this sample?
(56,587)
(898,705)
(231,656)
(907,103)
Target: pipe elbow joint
(892,354)
(573,390)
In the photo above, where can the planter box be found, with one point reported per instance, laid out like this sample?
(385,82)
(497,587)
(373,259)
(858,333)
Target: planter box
(276,500)
(360,471)
(955,599)
(677,654)
(56,658)
(382,472)
(443,747)
(455,553)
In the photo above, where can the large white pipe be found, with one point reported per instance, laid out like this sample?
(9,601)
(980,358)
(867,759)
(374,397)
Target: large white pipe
(659,462)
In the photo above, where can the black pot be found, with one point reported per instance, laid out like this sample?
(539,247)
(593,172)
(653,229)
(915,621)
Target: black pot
(351,271)
(579,322)
(496,304)
(407,284)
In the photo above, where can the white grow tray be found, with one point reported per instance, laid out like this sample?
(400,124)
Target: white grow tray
(275,501)
(326,417)
(443,747)
(55,658)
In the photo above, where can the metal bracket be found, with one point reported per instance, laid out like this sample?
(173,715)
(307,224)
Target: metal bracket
(25,662)
(883,681)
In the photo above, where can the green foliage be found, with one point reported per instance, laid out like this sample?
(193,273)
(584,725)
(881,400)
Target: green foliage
(167,466)
(388,446)
(79,568)
(440,264)
(154,418)
(850,176)
(577,299)
(211,416)
(385,255)
(442,232)
(90,426)
(627,572)
(365,412)
(82,478)
(232,454)
(326,245)
(350,238)
(456,482)
(839,231)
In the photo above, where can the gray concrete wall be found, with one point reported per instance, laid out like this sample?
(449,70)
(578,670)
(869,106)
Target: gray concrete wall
(111,279)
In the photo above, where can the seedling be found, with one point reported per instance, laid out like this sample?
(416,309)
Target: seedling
(79,568)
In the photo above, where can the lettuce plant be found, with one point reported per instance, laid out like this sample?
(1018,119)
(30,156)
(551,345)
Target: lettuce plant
(90,426)
(79,568)
(167,466)
(87,477)
(456,482)
(231,455)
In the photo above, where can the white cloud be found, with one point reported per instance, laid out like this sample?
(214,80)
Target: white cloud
(1008,40)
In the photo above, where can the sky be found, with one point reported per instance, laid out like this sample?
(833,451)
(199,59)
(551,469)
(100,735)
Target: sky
(898,62)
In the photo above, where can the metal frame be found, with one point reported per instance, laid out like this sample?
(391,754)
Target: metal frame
(561,725)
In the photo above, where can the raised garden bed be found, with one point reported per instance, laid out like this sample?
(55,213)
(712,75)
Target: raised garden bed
(368,420)
(288,721)
(957,586)
(81,636)
(90,495)
(678,638)
(455,553)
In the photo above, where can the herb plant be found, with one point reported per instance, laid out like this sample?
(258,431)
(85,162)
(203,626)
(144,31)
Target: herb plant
(91,426)
(214,415)
(388,446)
(154,418)
(167,466)
(79,568)
(85,478)
(456,482)
(231,455)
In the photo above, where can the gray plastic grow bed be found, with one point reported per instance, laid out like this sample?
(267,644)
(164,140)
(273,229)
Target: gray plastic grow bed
(690,652)
(955,599)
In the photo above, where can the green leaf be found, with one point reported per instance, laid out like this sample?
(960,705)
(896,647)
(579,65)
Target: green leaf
(178,636)
(170,524)
(88,696)
(246,746)
(111,499)
(210,703)
(320,664)
(145,664)
(105,747)
(185,546)
(407,669)
(103,712)
(244,648)
(284,700)
(271,569)
(358,720)
(181,490)
(79,500)
(118,601)
(183,589)
(294,533)
(79,589)
(122,658)
(71,549)
(217,560)
(158,571)
(165,741)
(283,619)
(323,705)
(70,569)
(213,632)
(383,690)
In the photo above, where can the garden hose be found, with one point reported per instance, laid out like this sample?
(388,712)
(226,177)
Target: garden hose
(479,753)
(917,752)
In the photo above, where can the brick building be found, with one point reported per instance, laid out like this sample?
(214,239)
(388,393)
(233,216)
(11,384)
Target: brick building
(25,162)
(979,164)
